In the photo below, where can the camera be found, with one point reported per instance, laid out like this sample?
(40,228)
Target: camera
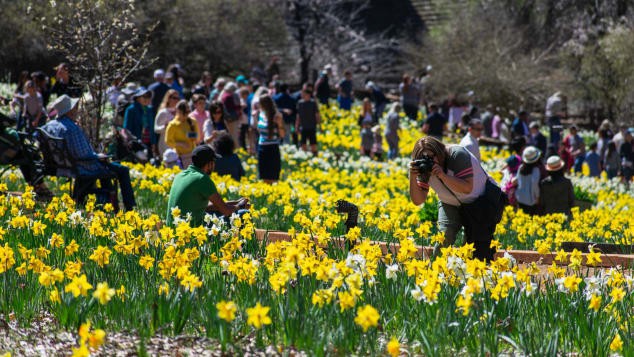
(424,165)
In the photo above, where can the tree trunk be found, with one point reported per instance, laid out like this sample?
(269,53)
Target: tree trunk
(304,56)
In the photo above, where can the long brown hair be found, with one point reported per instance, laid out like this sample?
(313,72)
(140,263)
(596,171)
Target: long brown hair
(166,98)
(268,107)
(429,143)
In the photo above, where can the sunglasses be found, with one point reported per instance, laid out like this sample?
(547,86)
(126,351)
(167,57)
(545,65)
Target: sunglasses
(175,97)
(218,112)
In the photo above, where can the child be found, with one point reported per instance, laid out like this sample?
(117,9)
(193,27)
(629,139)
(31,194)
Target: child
(509,180)
(32,110)
(367,137)
(612,161)
(307,120)
(170,158)
(377,147)
(528,178)
(594,161)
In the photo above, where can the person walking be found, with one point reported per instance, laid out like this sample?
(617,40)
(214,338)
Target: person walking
(627,157)
(233,110)
(345,91)
(216,122)
(612,161)
(379,99)
(139,120)
(557,194)
(410,97)
(537,139)
(199,114)
(391,130)
(470,140)
(182,134)
(528,178)
(271,129)
(436,124)
(287,105)
(322,85)
(166,112)
(576,147)
(308,120)
(555,111)
(593,160)
(158,89)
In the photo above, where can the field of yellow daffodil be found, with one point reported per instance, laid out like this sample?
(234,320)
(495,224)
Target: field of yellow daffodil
(97,272)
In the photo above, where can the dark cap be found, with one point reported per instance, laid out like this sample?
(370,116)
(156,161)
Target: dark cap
(203,154)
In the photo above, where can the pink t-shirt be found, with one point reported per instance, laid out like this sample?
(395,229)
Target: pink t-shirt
(200,118)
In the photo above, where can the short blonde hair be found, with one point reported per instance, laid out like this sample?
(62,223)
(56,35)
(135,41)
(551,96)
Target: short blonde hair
(429,143)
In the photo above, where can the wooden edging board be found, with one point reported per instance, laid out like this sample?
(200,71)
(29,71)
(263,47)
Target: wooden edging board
(521,256)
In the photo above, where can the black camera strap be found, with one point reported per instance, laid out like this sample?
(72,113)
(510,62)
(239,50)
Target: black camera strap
(453,194)
(450,191)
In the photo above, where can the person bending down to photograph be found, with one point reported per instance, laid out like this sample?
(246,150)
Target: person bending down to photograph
(457,178)
(194,193)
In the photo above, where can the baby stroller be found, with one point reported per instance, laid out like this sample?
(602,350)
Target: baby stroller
(124,146)
(19,149)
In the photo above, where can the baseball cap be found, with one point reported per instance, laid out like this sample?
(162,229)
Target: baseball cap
(159,73)
(242,79)
(203,154)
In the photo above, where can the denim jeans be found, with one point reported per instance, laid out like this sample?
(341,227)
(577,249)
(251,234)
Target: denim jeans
(227,219)
(344,102)
(123,176)
(392,143)
(578,163)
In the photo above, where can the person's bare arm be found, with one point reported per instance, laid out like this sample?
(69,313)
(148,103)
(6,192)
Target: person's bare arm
(280,124)
(221,206)
(453,183)
(425,128)
(418,190)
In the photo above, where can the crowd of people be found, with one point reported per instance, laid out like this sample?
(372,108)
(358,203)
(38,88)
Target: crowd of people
(199,129)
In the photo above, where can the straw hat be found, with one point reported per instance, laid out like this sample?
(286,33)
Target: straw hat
(554,163)
(64,104)
(530,155)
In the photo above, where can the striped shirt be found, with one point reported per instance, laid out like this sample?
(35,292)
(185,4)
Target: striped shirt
(263,130)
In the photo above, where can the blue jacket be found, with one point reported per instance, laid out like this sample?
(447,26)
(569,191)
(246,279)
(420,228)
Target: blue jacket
(158,92)
(138,117)
(519,128)
(285,101)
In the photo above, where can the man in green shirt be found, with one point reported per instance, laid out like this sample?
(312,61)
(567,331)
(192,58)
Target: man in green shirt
(194,192)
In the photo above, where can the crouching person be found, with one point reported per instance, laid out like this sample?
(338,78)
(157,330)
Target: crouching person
(194,193)
(458,180)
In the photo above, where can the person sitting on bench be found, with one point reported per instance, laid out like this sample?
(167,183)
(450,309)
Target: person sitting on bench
(90,163)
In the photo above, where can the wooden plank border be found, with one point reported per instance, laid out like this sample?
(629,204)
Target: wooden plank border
(521,256)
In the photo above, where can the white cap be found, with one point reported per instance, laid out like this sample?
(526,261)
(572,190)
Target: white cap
(159,73)
(170,155)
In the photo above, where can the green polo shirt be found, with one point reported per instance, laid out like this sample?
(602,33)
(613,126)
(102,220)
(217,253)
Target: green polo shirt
(190,192)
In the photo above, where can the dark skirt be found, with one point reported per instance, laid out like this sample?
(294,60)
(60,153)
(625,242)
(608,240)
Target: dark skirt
(269,162)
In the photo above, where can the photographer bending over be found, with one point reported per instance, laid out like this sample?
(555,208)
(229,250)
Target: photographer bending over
(458,180)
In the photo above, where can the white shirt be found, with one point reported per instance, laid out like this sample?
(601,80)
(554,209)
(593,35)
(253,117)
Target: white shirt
(471,144)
